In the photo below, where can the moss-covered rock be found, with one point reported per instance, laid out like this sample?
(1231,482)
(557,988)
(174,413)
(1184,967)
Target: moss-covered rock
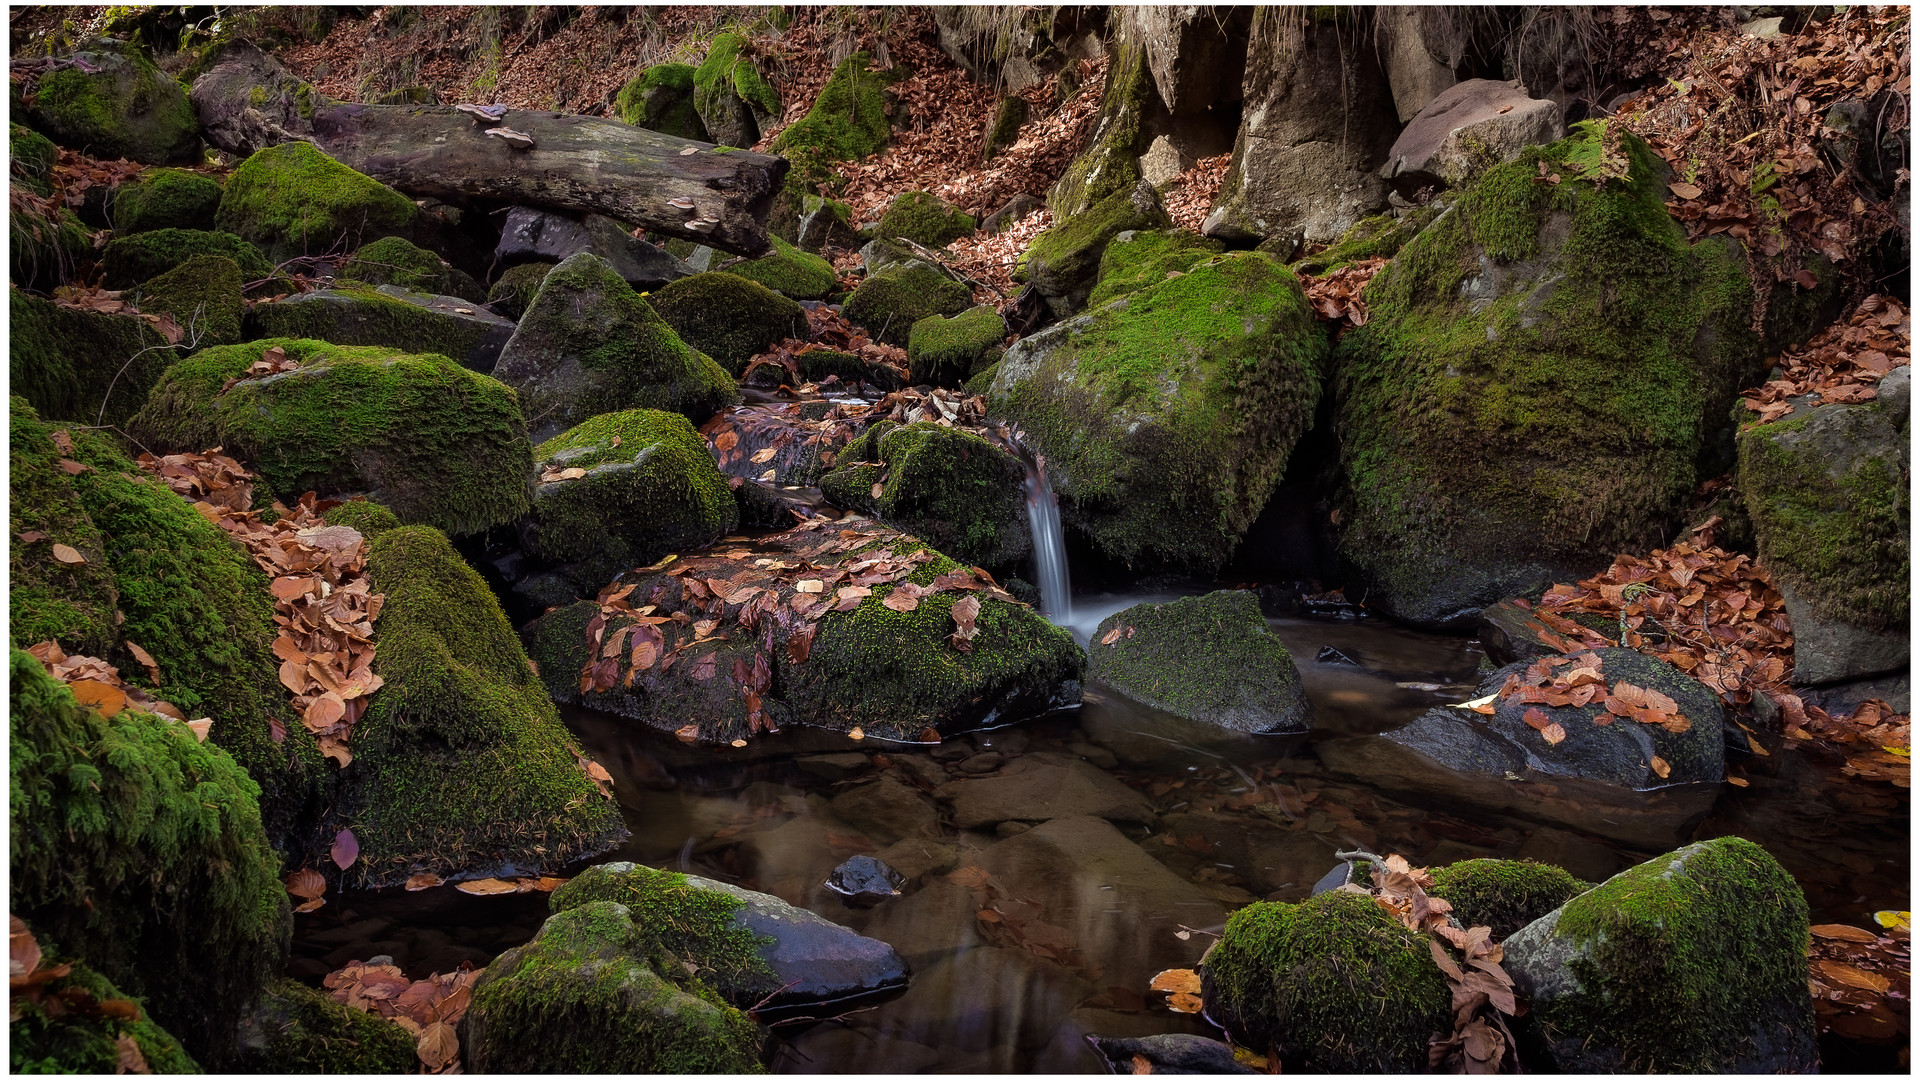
(953,489)
(164,199)
(1378,237)
(588,344)
(47,252)
(890,301)
(790,272)
(1167,416)
(31,157)
(1210,659)
(924,219)
(66,361)
(944,351)
(1064,261)
(511,294)
(728,317)
(1691,962)
(436,443)
(848,121)
(69,1040)
(1542,368)
(1334,984)
(293,199)
(1136,259)
(578,999)
(825,222)
(461,766)
(1110,163)
(661,99)
(1503,894)
(130,260)
(294,1028)
(368,518)
(354,313)
(394,260)
(679,923)
(1008,118)
(734,101)
(112,102)
(139,849)
(650,488)
(203,295)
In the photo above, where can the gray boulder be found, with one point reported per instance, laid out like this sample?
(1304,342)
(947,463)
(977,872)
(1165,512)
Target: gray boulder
(1467,129)
(530,234)
(390,315)
(1415,72)
(1205,658)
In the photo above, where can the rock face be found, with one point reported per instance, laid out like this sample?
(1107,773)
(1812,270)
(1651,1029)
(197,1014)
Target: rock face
(530,233)
(293,199)
(1456,754)
(1415,73)
(1334,984)
(1535,385)
(1205,658)
(1826,489)
(393,316)
(728,317)
(1317,125)
(1169,1054)
(953,489)
(112,102)
(1167,416)
(1691,962)
(1466,130)
(588,344)
(1063,262)
(1039,787)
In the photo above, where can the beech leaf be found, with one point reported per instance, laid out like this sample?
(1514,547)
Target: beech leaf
(346,849)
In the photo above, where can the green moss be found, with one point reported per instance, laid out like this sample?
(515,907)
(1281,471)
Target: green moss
(726,73)
(943,351)
(679,924)
(395,261)
(1207,658)
(1133,261)
(1064,261)
(369,519)
(1333,984)
(1008,117)
(64,360)
(514,291)
(292,199)
(890,301)
(981,382)
(297,1029)
(661,99)
(354,313)
(790,272)
(203,296)
(126,108)
(39,1042)
(848,121)
(164,199)
(1110,164)
(576,1000)
(47,252)
(1672,956)
(139,849)
(1378,237)
(651,488)
(31,157)
(728,317)
(958,492)
(461,765)
(436,443)
(1503,894)
(130,260)
(49,600)
(920,217)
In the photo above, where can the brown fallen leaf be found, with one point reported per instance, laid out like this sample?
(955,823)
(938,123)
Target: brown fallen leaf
(1835,973)
(1660,766)
(127,1056)
(486,887)
(306,883)
(421,881)
(68,555)
(1141,1066)
(1176,981)
(1554,734)
(437,1046)
(103,696)
(145,659)
(201,728)
(1843,932)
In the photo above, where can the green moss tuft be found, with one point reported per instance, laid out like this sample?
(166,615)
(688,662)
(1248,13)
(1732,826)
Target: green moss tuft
(890,301)
(1209,658)
(369,519)
(1503,894)
(395,261)
(1132,261)
(31,157)
(1064,261)
(944,351)
(40,1042)
(514,291)
(1378,237)
(848,121)
(292,199)
(130,260)
(203,295)
(47,252)
(164,199)
(297,1029)
(661,99)
(790,272)
(918,216)
(1008,118)
(728,317)
(677,924)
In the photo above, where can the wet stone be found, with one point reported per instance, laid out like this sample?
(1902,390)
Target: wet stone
(835,766)
(981,764)
(916,858)
(1041,787)
(864,881)
(1169,1054)
(887,810)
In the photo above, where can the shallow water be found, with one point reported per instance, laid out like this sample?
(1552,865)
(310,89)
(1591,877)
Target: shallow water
(1084,912)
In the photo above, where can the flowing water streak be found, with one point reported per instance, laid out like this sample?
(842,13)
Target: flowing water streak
(1049,544)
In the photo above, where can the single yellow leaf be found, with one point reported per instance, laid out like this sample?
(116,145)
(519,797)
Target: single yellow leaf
(1660,766)
(1894,920)
(108,699)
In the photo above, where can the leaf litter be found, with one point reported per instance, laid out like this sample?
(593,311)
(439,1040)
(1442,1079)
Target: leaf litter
(429,1009)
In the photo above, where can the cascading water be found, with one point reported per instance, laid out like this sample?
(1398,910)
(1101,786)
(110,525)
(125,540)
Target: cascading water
(1049,544)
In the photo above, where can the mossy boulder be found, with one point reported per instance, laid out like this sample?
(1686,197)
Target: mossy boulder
(203,295)
(650,488)
(825,222)
(63,1039)
(895,674)
(511,294)
(945,351)
(661,99)
(461,766)
(728,317)
(130,260)
(924,219)
(293,199)
(1109,165)
(953,489)
(588,344)
(138,849)
(1541,371)
(1378,237)
(433,441)
(294,1028)
(585,997)
(353,313)
(790,272)
(734,101)
(890,301)
(112,102)
(1691,962)
(1135,259)
(1063,262)
(1168,416)
(1826,490)
(164,199)
(364,516)
(1210,659)
(1503,894)
(1334,984)
(67,361)
(31,157)
(394,260)
(1008,118)
(848,121)
(47,252)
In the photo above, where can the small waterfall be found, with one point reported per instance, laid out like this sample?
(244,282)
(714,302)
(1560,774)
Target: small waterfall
(1049,543)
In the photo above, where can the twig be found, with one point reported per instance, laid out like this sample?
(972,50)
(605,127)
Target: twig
(193,342)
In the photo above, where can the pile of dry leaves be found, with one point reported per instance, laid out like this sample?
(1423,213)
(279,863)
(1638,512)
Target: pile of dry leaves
(28,974)
(827,329)
(1335,295)
(991,257)
(767,442)
(98,684)
(1190,195)
(1861,982)
(429,1009)
(1843,363)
